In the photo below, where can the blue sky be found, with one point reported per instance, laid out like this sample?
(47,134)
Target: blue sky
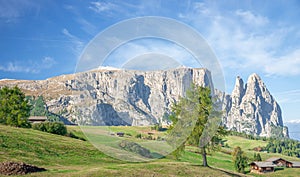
(41,39)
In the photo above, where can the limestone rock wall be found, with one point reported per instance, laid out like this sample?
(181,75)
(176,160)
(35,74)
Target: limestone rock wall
(127,97)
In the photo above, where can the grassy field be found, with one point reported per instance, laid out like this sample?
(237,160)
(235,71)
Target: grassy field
(64,156)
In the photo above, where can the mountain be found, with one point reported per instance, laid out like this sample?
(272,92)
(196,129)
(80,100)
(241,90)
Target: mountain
(253,110)
(109,96)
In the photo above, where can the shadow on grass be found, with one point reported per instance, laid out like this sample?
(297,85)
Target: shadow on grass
(219,169)
(156,155)
(279,168)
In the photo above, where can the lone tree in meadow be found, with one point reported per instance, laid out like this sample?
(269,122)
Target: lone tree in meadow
(239,160)
(196,122)
(14,108)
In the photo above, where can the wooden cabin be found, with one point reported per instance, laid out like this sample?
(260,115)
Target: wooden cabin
(120,134)
(262,167)
(280,162)
(37,119)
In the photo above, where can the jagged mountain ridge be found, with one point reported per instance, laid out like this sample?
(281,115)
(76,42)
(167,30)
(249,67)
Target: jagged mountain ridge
(127,97)
(253,110)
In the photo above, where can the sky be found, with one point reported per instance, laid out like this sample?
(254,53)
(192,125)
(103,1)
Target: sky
(42,39)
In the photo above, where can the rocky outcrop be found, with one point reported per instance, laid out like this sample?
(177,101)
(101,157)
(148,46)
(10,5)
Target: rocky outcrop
(253,110)
(126,97)
(115,97)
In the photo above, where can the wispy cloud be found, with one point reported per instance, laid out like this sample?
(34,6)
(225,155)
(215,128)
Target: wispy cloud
(289,96)
(83,22)
(290,92)
(136,49)
(288,64)
(13,9)
(100,7)
(77,44)
(249,17)
(28,67)
(245,39)
(295,121)
(87,26)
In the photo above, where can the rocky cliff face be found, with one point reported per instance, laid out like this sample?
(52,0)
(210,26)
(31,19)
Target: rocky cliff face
(125,97)
(253,110)
(115,97)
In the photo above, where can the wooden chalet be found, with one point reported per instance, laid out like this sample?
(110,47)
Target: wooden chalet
(262,167)
(120,134)
(280,162)
(37,119)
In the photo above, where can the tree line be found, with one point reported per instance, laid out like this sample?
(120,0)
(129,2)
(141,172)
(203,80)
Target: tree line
(286,147)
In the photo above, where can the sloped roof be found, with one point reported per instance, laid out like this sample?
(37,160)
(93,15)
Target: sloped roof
(296,164)
(273,159)
(37,118)
(263,164)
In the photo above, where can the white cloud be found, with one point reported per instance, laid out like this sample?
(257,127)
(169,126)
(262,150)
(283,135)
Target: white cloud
(245,40)
(87,26)
(296,121)
(250,18)
(13,9)
(48,62)
(289,96)
(99,7)
(137,49)
(77,44)
(288,64)
(29,66)
(290,92)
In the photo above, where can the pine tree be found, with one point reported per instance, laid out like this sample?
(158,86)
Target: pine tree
(195,122)
(239,160)
(14,109)
(258,158)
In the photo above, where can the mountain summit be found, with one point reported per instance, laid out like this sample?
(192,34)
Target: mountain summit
(128,97)
(253,109)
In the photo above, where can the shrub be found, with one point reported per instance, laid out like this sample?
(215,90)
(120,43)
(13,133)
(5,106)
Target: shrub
(135,148)
(51,127)
(138,136)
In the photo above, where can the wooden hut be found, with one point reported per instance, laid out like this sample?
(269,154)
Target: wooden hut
(37,119)
(120,134)
(262,167)
(280,162)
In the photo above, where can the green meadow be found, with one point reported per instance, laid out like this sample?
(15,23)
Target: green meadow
(65,156)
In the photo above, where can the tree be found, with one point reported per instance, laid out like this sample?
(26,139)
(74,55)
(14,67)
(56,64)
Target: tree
(195,122)
(257,157)
(14,109)
(39,108)
(239,160)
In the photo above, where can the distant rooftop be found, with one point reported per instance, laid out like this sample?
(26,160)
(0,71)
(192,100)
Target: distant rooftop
(263,164)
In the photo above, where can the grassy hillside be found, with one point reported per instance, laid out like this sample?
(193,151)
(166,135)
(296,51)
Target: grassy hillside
(64,156)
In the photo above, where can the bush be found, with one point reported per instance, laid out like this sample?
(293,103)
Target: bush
(51,127)
(135,148)
(138,136)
